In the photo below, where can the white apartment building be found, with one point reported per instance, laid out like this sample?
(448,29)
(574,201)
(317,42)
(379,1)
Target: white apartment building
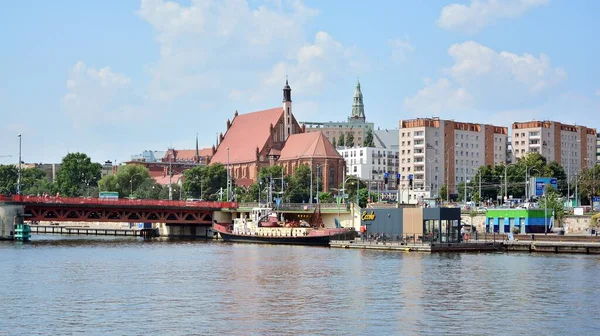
(370,164)
(572,146)
(436,152)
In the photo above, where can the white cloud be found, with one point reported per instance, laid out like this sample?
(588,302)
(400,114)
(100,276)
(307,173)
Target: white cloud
(314,66)
(209,46)
(483,69)
(439,98)
(400,49)
(481,13)
(482,79)
(97,96)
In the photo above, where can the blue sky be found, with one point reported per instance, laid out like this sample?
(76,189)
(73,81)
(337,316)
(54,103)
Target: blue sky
(113,78)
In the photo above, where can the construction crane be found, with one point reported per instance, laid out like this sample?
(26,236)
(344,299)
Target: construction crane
(5,156)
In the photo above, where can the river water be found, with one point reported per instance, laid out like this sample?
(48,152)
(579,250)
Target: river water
(58,285)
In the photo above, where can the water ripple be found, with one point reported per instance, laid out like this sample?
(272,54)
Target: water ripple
(107,286)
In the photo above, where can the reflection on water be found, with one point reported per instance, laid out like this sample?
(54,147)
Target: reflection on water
(129,286)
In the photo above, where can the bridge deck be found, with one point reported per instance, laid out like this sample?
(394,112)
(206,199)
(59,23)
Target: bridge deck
(116,203)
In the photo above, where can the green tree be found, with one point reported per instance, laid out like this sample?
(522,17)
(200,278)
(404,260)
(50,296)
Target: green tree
(126,181)
(553,201)
(369,138)
(342,139)
(349,142)
(334,143)
(148,189)
(326,197)
(215,181)
(193,182)
(351,186)
(77,172)
(588,183)
(443,192)
(298,190)
(33,181)
(175,192)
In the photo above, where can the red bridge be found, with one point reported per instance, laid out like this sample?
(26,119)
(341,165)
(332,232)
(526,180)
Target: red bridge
(117,210)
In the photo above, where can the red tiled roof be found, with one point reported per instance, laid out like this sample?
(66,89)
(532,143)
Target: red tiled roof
(164,180)
(247,132)
(308,145)
(244,182)
(205,152)
(187,154)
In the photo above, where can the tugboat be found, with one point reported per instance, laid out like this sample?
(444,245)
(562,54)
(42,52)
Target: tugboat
(264,228)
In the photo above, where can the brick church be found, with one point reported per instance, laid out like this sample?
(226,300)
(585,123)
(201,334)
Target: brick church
(274,137)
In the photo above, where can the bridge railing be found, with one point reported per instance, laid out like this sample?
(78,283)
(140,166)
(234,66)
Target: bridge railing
(116,202)
(298,206)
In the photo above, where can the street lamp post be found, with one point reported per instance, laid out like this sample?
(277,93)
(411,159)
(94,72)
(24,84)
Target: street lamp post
(318,175)
(228,177)
(429,161)
(527,178)
(311,183)
(448,173)
(593,168)
(19,173)
(506,182)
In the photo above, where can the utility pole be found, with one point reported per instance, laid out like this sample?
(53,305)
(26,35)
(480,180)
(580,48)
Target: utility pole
(576,191)
(506,183)
(311,183)
(569,180)
(318,175)
(480,196)
(526,183)
(19,176)
(171,176)
(465,196)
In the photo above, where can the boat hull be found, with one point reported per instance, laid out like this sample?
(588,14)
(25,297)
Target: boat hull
(304,240)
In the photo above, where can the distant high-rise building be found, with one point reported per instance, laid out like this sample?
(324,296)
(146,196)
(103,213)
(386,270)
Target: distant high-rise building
(436,152)
(573,147)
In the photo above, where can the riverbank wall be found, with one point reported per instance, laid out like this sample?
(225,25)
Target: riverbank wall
(10,216)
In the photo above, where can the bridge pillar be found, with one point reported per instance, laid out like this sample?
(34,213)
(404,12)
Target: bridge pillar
(173,230)
(10,216)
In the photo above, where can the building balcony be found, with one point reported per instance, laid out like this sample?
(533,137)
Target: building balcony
(535,136)
(535,145)
(416,137)
(421,154)
(419,163)
(420,145)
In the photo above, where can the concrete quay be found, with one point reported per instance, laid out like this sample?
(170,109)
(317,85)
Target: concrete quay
(479,246)
(553,246)
(578,244)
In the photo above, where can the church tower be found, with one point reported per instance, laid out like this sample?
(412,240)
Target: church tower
(287,111)
(358,108)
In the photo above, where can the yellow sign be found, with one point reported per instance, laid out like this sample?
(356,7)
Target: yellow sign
(368,216)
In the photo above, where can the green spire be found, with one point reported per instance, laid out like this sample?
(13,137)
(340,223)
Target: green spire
(358,108)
